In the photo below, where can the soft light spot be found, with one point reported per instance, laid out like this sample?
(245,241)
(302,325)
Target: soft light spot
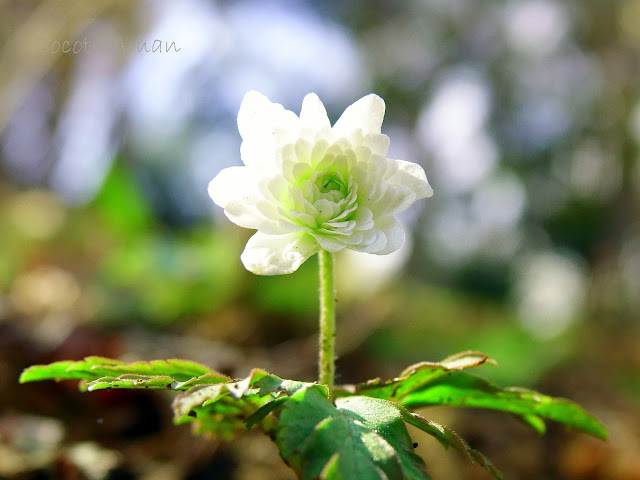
(93,460)
(550,293)
(452,127)
(499,202)
(37,214)
(48,289)
(536,27)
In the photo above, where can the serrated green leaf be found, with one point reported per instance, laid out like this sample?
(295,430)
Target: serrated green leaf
(133,381)
(217,404)
(534,422)
(382,417)
(224,409)
(272,384)
(196,397)
(463,389)
(179,370)
(260,414)
(210,378)
(66,370)
(458,361)
(444,383)
(203,395)
(415,376)
(53,371)
(103,372)
(449,438)
(130,381)
(226,416)
(362,438)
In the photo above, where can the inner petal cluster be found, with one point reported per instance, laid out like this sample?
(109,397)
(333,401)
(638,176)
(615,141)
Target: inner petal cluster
(325,202)
(323,195)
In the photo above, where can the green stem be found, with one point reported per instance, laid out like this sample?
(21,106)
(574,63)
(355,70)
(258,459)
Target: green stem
(326,360)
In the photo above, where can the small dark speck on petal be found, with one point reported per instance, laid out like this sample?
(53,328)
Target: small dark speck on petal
(193,414)
(415,444)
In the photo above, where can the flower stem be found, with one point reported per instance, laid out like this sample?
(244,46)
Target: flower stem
(326,359)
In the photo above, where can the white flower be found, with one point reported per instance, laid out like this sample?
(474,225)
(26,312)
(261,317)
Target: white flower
(307,186)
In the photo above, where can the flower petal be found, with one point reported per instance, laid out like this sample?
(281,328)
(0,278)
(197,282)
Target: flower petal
(260,154)
(256,112)
(313,114)
(264,126)
(373,241)
(378,144)
(233,184)
(329,243)
(258,115)
(277,254)
(364,219)
(236,190)
(395,198)
(365,114)
(394,233)
(411,175)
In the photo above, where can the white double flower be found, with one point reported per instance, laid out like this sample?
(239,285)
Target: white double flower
(306,186)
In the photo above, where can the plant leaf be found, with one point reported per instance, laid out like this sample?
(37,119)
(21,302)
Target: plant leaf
(415,376)
(534,422)
(133,381)
(259,383)
(103,372)
(260,414)
(444,383)
(449,438)
(458,361)
(382,417)
(362,438)
(223,409)
(214,402)
(467,390)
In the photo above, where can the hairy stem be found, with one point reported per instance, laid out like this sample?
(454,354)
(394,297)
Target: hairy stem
(326,359)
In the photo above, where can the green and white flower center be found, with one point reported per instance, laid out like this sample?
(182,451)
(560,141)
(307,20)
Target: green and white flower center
(325,202)
(333,183)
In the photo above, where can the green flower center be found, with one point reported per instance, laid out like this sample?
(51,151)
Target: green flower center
(333,182)
(332,186)
(324,201)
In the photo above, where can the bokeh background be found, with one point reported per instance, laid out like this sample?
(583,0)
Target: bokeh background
(525,115)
